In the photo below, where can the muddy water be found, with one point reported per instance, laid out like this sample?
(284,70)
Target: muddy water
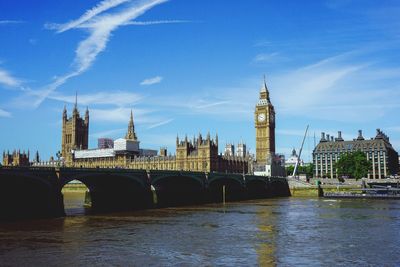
(283,232)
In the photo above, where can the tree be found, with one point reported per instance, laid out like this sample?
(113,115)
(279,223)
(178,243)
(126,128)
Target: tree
(354,165)
(305,169)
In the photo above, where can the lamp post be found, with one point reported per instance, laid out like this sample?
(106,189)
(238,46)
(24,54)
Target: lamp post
(58,155)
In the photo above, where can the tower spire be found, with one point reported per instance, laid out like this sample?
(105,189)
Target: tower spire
(264,93)
(131,135)
(75,111)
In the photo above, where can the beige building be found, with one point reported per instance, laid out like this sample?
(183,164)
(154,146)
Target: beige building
(378,150)
(16,158)
(264,119)
(75,132)
(199,154)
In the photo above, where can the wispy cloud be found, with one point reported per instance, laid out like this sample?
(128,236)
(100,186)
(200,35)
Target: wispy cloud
(262,43)
(4,113)
(7,79)
(100,98)
(100,26)
(89,14)
(155,22)
(3,22)
(159,124)
(121,115)
(265,57)
(328,89)
(109,133)
(153,80)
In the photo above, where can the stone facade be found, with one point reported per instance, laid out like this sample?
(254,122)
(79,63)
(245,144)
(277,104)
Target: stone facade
(17,158)
(75,133)
(264,118)
(199,154)
(379,151)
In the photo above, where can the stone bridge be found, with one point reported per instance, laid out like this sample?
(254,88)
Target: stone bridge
(36,192)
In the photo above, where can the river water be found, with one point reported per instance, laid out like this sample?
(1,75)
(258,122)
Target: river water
(281,231)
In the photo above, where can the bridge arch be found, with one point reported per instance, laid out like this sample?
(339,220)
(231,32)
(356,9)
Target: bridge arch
(112,190)
(279,187)
(257,187)
(174,188)
(233,183)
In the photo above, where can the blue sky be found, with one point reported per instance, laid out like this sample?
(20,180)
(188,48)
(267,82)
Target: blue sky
(186,67)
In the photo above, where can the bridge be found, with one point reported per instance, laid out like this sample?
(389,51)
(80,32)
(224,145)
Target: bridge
(36,192)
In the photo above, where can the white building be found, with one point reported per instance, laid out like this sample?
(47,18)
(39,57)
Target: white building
(291,161)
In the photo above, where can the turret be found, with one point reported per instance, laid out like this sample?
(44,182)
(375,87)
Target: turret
(339,138)
(360,136)
(131,135)
(87,115)
(65,114)
(264,93)
(75,111)
(37,158)
(323,137)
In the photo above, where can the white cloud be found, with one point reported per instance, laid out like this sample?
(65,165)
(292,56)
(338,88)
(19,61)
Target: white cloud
(4,113)
(33,41)
(153,80)
(155,22)
(262,43)
(159,124)
(89,14)
(3,22)
(100,27)
(121,115)
(100,98)
(264,57)
(7,79)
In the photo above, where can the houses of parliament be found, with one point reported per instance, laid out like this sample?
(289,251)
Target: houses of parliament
(197,154)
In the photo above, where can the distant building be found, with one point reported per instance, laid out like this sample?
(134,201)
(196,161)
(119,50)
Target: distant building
(384,159)
(75,132)
(291,161)
(229,150)
(199,154)
(241,150)
(16,158)
(105,143)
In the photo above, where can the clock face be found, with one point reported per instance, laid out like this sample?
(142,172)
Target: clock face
(261,117)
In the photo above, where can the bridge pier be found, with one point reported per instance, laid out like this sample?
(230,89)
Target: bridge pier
(25,194)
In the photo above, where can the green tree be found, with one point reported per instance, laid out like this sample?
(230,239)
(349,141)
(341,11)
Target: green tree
(306,169)
(354,165)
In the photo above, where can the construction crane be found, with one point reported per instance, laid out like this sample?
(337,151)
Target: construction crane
(301,148)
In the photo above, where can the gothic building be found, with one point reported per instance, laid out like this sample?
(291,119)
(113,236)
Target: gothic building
(75,132)
(198,154)
(264,117)
(17,158)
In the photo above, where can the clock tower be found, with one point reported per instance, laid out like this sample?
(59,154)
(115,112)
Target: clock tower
(264,117)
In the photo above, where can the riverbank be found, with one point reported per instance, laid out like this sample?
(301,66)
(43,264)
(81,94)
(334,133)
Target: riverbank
(312,191)
(74,187)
